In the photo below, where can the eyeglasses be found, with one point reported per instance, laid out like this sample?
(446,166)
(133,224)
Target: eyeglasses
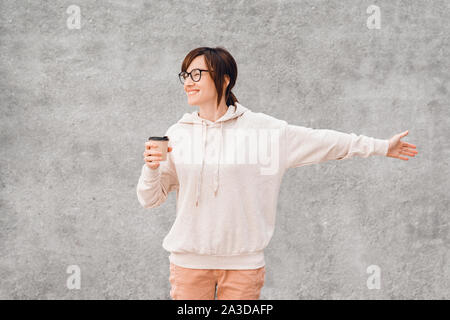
(195,75)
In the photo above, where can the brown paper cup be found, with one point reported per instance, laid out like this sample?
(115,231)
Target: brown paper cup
(163,143)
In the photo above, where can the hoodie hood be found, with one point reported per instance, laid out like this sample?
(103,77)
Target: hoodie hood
(233,112)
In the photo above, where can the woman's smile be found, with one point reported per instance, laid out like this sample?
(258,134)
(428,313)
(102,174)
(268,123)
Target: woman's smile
(192,92)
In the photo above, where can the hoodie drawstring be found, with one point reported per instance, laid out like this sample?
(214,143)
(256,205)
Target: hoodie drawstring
(199,180)
(233,112)
(216,177)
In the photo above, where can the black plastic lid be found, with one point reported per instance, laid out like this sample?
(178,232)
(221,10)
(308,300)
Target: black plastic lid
(159,138)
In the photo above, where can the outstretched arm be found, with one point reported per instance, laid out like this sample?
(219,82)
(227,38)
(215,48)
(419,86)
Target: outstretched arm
(306,146)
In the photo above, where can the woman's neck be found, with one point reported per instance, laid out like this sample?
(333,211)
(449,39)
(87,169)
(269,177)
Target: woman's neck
(212,113)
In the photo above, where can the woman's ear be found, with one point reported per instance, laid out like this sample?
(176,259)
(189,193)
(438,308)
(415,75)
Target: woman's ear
(227,80)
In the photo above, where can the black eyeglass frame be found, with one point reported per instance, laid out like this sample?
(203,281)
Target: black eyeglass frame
(190,75)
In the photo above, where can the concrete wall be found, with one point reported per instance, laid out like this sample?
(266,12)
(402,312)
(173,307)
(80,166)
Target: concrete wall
(77,106)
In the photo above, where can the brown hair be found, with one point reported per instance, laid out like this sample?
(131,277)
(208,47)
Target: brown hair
(220,62)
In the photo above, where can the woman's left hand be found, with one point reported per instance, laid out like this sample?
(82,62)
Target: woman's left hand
(397,147)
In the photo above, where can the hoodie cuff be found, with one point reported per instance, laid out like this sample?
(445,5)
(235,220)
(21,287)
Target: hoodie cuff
(381,146)
(150,175)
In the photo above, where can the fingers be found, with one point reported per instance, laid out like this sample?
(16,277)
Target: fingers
(152,162)
(412,151)
(152,158)
(407,153)
(152,155)
(150,144)
(409,145)
(151,152)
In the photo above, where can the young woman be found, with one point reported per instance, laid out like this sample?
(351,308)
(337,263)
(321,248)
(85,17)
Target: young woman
(226,185)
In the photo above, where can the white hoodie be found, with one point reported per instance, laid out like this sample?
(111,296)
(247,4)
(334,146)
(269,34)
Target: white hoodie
(227,176)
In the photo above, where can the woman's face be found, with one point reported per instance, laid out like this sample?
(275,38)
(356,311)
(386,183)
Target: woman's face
(203,91)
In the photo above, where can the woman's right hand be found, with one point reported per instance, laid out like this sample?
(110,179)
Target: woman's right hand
(152,156)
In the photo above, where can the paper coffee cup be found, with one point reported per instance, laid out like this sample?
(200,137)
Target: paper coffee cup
(163,143)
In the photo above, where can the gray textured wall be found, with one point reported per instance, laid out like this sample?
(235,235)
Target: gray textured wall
(78,104)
